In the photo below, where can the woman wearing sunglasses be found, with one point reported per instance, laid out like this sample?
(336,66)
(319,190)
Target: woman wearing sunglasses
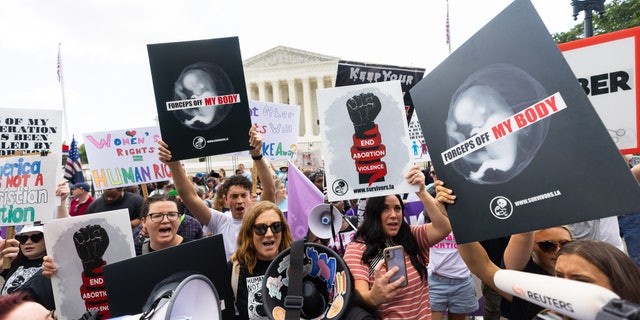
(26,250)
(263,235)
(590,261)
(533,252)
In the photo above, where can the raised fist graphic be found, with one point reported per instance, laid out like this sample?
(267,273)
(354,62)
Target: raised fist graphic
(91,243)
(367,150)
(363,109)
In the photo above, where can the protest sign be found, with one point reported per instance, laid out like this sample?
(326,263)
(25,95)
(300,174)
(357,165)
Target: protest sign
(350,73)
(278,124)
(30,130)
(125,157)
(81,246)
(365,140)
(511,131)
(201,96)
(611,83)
(310,159)
(418,144)
(203,256)
(27,188)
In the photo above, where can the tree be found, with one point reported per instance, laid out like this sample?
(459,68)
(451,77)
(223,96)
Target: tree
(83,154)
(618,15)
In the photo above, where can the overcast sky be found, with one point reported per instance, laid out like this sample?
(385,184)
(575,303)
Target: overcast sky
(107,81)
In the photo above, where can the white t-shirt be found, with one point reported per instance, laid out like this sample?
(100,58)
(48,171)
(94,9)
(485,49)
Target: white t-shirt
(228,227)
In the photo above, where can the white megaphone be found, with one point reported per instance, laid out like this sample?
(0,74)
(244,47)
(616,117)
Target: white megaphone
(320,219)
(193,298)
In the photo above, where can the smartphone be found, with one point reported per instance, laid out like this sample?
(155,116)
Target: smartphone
(394,256)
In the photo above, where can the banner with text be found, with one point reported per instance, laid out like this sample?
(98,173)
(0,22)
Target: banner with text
(516,137)
(125,157)
(278,124)
(81,246)
(365,140)
(30,130)
(611,83)
(27,188)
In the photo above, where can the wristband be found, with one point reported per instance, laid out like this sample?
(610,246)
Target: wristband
(257,158)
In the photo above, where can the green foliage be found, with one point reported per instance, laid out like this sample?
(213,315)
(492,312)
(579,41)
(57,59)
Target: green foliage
(83,154)
(618,15)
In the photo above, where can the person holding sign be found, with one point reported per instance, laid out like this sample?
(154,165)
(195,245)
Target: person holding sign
(384,227)
(27,257)
(590,261)
(237,196)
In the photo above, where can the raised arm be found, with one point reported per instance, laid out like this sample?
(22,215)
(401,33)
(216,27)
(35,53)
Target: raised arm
(439,227)
(62,191)
(473,254)
(518,251)
(262,166)
(185,188)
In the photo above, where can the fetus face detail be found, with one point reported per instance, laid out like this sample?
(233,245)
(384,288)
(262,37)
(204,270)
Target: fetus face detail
(486,98)
(199,83)
(202,80)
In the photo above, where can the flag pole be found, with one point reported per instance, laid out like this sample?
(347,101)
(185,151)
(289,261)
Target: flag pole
(64,106)
(448,31)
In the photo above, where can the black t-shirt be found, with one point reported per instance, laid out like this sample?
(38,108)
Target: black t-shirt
(249,302)
(519,308)
(18,275)
(131,201)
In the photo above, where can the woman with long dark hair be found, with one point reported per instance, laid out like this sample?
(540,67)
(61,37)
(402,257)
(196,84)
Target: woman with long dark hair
(384,227)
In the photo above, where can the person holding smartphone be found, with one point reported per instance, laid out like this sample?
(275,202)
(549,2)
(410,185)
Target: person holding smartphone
(406,297)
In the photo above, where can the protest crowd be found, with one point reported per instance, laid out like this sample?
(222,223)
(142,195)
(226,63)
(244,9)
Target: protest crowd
(386,255)
(255,231)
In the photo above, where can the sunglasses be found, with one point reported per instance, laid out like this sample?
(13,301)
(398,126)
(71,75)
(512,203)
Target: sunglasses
(261,228)
(35,238)
(550,246)
(432,172)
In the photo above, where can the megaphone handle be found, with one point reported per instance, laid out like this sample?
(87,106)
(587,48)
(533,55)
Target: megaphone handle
(333,231)
(344,217)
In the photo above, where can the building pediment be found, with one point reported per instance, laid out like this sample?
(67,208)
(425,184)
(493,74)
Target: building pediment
(281,55)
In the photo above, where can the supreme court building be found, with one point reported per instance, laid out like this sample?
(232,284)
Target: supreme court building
(283,75)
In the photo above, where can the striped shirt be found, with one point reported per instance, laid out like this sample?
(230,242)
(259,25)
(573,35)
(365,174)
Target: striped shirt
(413,300)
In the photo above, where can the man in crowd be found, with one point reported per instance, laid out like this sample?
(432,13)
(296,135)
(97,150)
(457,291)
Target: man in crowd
(117,198)
(237,196)
(81,199)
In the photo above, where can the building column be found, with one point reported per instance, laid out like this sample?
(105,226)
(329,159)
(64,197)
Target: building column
(307,106)
(275,86)
(262,94)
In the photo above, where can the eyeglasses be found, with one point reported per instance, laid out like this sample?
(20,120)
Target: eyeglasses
(551,246)
(158,217)
(432,172)
(35,238)
(261,228)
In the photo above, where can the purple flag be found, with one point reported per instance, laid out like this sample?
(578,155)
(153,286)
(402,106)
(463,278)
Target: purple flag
(303,196)
(412,209)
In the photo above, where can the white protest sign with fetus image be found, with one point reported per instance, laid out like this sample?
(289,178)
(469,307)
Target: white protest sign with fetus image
(80,247)
(366,147)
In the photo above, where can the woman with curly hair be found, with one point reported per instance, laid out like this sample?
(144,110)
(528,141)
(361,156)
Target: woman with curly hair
(263,235)
(384,227)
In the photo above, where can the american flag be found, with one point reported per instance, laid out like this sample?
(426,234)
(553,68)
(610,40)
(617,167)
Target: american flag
(73,167)
(59,65)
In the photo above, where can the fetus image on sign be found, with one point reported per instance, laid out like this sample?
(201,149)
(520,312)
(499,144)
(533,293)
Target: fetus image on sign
(486,98)
(202,80)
